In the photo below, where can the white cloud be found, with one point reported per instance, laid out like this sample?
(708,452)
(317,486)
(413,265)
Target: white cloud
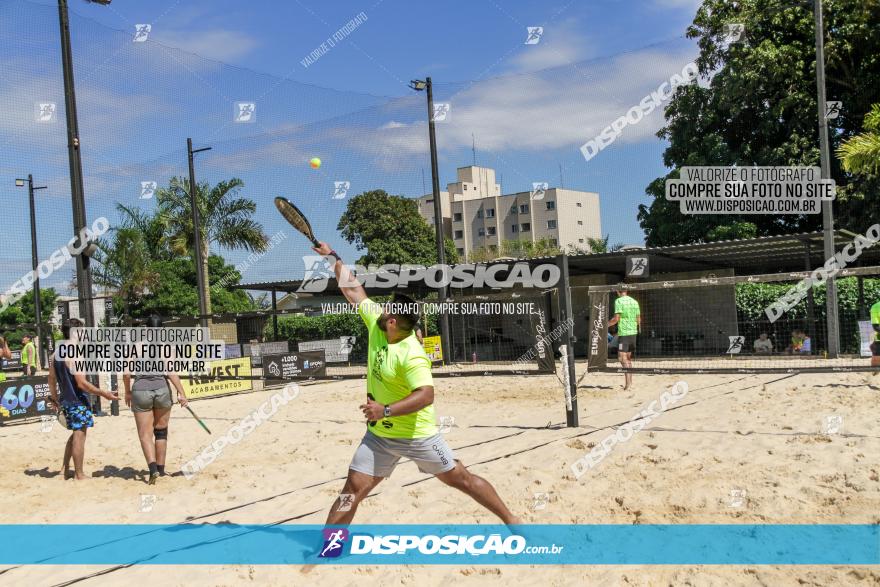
(218,44)
(558,108)
(561,44)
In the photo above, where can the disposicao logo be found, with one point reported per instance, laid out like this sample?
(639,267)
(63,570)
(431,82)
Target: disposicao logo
(334,540)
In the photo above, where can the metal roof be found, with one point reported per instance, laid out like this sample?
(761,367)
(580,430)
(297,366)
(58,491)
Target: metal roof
(753,256)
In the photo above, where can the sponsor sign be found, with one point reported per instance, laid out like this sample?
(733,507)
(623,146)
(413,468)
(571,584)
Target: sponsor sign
(299,365)
(433,348)
(336,350)
(597,349)
(12,364)
(24,398)
(866,334)
(219,380)
(256,351)
(543,348)
(637,266)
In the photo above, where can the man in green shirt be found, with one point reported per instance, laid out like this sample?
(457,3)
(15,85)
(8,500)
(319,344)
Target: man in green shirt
(628,317)
(875,346)
(28,356)
(399,410)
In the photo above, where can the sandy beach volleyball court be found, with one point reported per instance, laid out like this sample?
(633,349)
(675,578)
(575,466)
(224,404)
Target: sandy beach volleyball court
(736,449)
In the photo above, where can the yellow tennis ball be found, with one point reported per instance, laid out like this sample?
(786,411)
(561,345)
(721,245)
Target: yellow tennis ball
(315,162)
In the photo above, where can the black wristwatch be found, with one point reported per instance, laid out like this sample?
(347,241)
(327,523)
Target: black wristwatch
(387,411)
(335,255)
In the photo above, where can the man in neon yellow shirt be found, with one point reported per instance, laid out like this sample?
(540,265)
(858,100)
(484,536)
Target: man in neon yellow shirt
(628,317)
(400,407)
(875,346)
(28,356)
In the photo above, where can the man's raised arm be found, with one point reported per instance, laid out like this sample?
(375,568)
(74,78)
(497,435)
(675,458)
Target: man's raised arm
(350,287)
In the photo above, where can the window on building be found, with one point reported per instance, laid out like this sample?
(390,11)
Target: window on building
(514,228)
(490,212)
(526,227)
(579,205)
(458,234)
(513,209)
(551,224)
(460,252)
(580,240)
(523,208)
(580,222)
(456,217)
(479,213)
(427,203)
(490,231)
(551,205)
(481,232)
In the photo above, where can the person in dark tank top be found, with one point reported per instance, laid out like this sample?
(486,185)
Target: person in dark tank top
(69,393)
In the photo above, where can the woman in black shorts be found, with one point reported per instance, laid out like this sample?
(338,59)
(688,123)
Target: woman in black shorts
(149,397)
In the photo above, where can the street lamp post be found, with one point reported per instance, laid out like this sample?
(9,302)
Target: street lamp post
(197,233)
(420,85)
(34,262)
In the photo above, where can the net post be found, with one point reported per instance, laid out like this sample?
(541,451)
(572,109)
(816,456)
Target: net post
(566,317)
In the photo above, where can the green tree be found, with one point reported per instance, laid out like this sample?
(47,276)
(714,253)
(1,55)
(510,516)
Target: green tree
(861,153)
(226,220)
(126,266)
(390,230)
(598,245)
(760,109)
(14,318)
(174,293)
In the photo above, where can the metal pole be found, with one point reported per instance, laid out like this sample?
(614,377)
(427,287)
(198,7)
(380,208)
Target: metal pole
(83,276)
(197,236)
(438,221)
(567,340)
(34,263)
(827,211)
(77,194)
(274,316)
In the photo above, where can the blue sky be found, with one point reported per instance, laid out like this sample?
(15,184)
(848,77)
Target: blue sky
(528,107)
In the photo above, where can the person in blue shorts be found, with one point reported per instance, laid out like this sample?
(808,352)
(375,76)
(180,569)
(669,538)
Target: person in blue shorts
(74,404)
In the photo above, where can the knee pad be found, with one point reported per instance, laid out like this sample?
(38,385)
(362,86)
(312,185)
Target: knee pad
(160,433)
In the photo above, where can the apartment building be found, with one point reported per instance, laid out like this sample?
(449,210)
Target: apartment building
(476,215)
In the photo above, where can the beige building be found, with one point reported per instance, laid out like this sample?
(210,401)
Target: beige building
(476,215)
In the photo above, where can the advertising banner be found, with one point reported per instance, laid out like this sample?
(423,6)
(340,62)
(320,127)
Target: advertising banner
(336,350)
(24,398)
(257,351)
(543,346)
(433,348)
(866,334)
(301,365)
(219,379)
(597,341)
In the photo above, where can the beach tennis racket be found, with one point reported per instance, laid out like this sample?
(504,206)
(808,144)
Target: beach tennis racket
(199,420)
(296,218)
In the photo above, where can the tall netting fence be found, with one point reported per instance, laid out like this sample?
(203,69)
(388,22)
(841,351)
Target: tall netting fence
(513,332)
(766,323)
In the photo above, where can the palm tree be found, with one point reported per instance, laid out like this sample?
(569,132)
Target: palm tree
(225,220)
(861,153)
(125,265)
(151,226)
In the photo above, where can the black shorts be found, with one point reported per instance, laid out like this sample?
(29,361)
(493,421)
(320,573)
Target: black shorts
(875,348)
(626,344)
